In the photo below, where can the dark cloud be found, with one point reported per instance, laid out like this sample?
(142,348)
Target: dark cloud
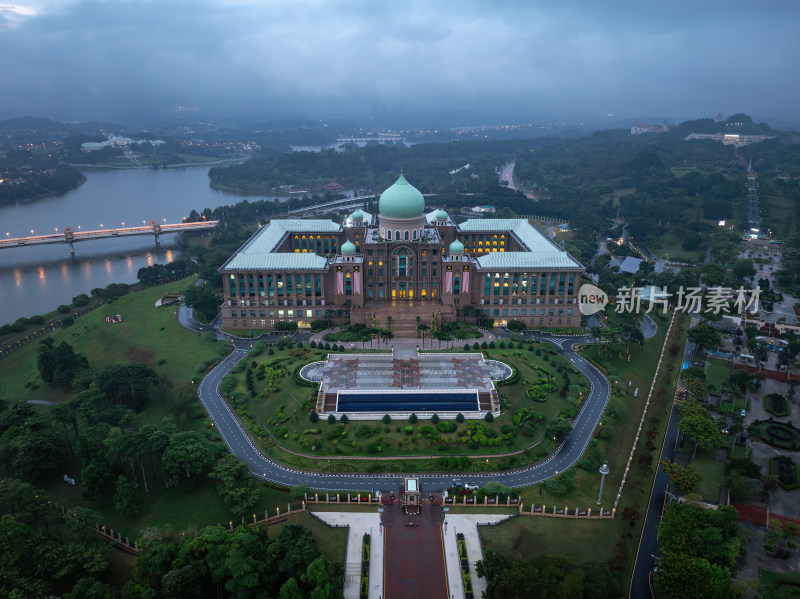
(84,59)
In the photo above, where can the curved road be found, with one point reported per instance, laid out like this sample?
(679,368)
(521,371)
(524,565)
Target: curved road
(564,457)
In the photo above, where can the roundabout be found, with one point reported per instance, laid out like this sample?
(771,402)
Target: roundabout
(236,437)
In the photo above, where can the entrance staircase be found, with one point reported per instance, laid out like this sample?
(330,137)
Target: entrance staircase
(404,315)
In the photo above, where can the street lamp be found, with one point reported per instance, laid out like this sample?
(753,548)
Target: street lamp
(603,471)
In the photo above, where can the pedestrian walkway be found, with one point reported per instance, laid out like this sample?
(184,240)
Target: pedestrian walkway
(359,523)
(414,564)
(443,539)
(468,525)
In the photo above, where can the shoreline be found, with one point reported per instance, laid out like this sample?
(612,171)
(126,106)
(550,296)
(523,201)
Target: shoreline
(83,180)
(158,166)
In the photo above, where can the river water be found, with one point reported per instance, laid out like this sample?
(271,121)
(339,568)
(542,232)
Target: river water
(36,279)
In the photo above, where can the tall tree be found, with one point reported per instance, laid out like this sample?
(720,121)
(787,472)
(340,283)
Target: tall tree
(699,425)
(235,484)
(187,454)
(204,299)
(686,478)
(704,336)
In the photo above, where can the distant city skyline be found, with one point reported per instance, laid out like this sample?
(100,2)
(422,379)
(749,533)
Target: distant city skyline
(577,61)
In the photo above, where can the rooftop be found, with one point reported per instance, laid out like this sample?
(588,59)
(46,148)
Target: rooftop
(258,251)
(542,253)
(627,264)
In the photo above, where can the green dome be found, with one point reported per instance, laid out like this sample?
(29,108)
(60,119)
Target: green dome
(456,247)
(348,248)
(357,215)
(401,200)
(441,215)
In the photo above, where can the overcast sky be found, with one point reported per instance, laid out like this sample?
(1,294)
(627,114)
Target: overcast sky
(322,58)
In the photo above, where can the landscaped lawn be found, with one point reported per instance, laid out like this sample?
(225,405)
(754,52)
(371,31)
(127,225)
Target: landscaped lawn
(719,374)
(774,584)
(154,337)
(713,474)
(147,335)
(732,406)
(283,407)
(532,536)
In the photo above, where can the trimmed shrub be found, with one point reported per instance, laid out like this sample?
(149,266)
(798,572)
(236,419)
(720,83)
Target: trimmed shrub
(386,419)
(313,417)
(489,417)
(413,419)
(331,419)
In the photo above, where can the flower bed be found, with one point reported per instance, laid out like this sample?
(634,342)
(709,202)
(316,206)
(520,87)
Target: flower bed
(776,404)
(462,555)
(364,587)
(779,434)
(786,471)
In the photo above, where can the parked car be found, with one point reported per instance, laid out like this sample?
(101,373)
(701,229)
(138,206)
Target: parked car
(742,412)
(471,487)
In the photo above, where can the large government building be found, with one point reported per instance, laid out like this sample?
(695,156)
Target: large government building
(404,263)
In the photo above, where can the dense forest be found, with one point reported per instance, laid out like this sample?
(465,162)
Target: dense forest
(26,175)
(666,189)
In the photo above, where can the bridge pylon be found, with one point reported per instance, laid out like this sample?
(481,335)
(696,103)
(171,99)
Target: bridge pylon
(69,236)
(156,231)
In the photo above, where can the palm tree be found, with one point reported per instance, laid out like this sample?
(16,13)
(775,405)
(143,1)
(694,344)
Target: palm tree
(386,336)
(423,326)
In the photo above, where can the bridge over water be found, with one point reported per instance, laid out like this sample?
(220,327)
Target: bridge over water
(71,236)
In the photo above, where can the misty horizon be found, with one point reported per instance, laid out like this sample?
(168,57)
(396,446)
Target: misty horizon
(359,61)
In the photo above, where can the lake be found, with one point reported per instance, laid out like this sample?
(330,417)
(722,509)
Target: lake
(36,279)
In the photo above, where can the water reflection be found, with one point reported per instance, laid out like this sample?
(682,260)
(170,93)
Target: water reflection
(107,197)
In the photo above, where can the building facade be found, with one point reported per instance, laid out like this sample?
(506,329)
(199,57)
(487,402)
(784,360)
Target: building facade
(404,263)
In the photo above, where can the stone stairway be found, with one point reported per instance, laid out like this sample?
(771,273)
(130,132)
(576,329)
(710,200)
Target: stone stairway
(404,315)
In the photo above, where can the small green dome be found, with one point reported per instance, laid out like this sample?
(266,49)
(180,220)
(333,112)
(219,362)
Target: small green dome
(401,200)
(349,248)
(357,215)
(441,215)
(456,247)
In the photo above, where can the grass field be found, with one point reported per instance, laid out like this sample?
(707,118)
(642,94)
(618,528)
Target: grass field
(530,536)
(719,374)
(780,214)
(670,248)
(146,335)
(615,540)
(713,473)
(151,336)
(618,193)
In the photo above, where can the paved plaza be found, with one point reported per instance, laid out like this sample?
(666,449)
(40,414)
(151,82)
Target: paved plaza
(417,561)
(421,371)
(402,378)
